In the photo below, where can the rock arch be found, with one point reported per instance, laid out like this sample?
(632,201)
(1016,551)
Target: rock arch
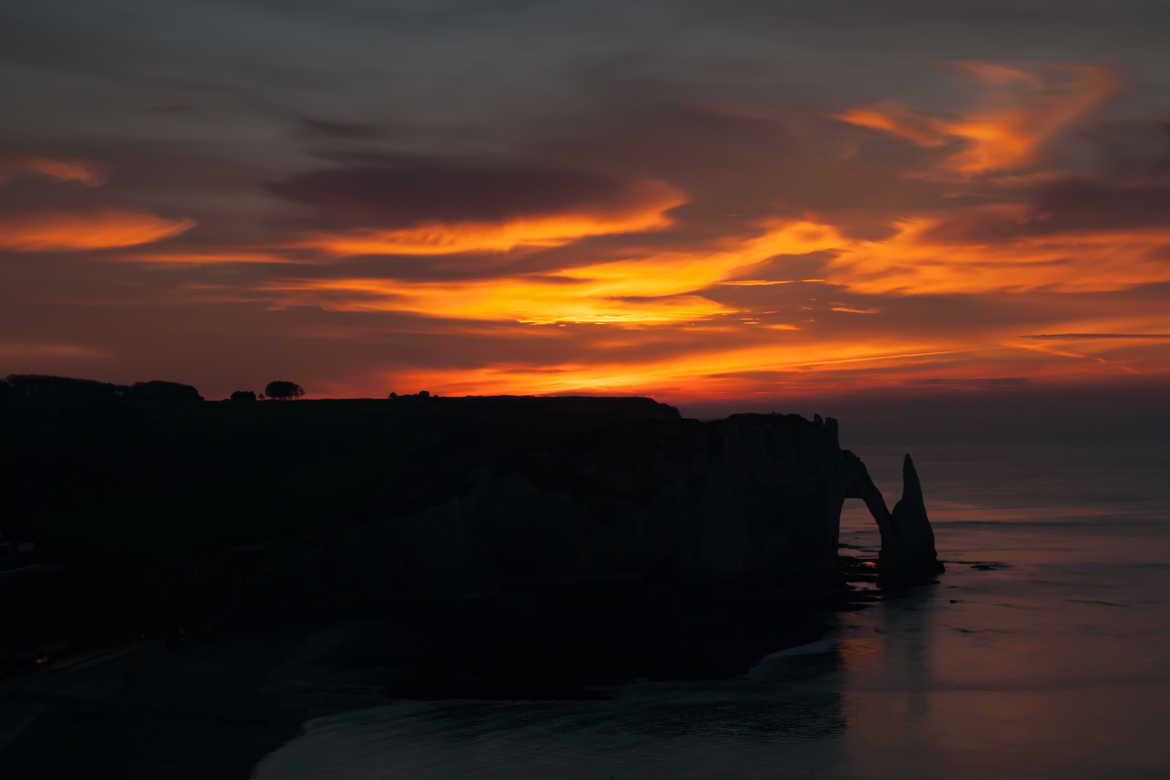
(908,552)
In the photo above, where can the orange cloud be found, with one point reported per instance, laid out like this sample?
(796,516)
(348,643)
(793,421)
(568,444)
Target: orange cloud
(758,282)
(534,232)
(61,169)
(518,300)
(105,229)
(667,286)
(673,273)
(67,170)
(896,120)
(655,287)
(998,75)
(912,263)
(1128,344)
(1022,112)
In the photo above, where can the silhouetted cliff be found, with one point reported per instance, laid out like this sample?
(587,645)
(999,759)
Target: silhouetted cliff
(193,512)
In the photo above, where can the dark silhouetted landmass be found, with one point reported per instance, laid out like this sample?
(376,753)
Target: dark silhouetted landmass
(34,390)
(169,513)
(38,389)
(523,546)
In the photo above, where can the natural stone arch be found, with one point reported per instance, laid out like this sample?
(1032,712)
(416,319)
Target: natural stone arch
(908,551)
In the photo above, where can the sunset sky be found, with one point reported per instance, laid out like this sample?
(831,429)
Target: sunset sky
(739,203)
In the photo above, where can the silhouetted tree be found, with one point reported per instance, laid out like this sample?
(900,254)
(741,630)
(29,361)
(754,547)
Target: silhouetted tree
(283,389)
(243,395)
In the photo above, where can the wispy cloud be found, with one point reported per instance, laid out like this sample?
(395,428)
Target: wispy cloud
(1022,110)
(33,350)
(59,168)
(105,228)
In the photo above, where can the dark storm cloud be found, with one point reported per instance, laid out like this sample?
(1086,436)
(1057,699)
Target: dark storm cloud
(338,130)
(387,192)
(1078,204)
(1073,205)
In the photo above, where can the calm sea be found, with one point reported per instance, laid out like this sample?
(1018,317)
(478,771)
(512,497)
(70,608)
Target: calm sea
(1043,651)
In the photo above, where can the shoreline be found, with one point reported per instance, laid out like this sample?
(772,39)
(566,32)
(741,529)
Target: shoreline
(155,711)
(216,707)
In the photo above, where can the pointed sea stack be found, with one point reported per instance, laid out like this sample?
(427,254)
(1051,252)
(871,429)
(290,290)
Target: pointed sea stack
(908,554)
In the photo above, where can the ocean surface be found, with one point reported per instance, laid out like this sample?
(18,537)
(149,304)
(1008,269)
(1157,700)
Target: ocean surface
(1043,651)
